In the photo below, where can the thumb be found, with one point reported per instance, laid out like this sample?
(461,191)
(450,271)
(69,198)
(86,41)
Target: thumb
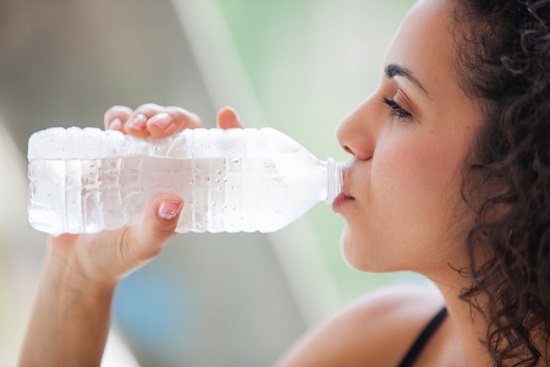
(147,239)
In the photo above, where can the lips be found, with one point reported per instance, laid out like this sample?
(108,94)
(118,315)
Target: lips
(344,196)
(340,200)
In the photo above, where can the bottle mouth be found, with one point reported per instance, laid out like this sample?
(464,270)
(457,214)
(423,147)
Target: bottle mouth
(335,178)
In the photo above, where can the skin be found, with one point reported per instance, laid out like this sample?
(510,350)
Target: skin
(403,184)
(402,206)
(70,320)
(401,203)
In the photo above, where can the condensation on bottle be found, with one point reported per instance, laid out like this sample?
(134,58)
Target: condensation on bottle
(89,180)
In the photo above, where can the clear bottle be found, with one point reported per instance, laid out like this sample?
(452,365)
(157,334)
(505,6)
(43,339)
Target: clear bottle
(87,180)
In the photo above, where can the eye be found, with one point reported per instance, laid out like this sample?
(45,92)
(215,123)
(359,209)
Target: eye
(397,110)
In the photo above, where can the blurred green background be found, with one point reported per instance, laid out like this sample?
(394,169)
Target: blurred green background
(309,64)
(299,66)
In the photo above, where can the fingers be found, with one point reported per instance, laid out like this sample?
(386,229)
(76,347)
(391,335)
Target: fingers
(150,120)
(159,121)
(143,242)
(106,257)
(147,116)
(115,117)
(228,118)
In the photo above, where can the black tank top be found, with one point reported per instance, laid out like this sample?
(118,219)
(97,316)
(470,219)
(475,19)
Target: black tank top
(423,338)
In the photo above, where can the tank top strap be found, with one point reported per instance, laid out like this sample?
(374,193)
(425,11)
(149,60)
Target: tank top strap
(423,338)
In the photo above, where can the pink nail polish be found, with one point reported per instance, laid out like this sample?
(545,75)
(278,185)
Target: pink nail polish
(162,120)
(115,124)
(138,122)
(169,209)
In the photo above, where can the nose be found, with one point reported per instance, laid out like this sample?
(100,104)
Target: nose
(355,134)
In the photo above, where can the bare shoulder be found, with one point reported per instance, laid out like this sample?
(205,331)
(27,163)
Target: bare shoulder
(378,328)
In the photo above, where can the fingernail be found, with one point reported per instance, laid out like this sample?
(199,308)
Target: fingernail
(138,122)
(162,120)
(115,124)
(169,209)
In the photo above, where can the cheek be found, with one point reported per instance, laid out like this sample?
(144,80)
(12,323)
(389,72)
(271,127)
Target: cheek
(414,187)
(398,210)
(404,216)
(413,170)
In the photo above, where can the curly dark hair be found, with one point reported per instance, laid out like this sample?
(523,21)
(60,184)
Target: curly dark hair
(504,60)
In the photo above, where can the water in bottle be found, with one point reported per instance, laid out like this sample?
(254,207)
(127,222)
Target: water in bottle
(88,180)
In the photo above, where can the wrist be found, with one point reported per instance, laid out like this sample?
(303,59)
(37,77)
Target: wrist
(71,315)
(66,273)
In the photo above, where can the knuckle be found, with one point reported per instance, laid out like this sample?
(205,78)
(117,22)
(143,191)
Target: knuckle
(149,109)
(152,252)
(183,117)
(177,113)
(176,110)
(162,233)
(117,110)
(120,112)
(124,246)
(134,252)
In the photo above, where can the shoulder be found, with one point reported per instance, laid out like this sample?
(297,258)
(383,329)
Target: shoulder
(378,328)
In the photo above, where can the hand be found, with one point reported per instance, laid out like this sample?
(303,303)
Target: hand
(70,319)
(106,257)
(158,121)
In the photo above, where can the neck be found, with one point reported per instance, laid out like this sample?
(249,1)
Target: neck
(469,324)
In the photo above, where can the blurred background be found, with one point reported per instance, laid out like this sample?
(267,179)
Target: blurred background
(297,65)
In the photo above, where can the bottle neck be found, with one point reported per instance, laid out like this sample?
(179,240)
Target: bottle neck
(335,177)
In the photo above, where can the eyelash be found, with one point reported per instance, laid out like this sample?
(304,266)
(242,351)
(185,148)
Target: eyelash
(397,110)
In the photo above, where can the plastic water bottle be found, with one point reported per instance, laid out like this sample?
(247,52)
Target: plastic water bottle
(88,180)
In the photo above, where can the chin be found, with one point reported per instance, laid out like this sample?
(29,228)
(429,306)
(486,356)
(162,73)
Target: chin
(362,255)
(353,252)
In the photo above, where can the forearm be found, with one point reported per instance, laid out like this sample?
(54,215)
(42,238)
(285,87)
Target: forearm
(70,320)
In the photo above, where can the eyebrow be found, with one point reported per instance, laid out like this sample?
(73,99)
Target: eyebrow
(393,70)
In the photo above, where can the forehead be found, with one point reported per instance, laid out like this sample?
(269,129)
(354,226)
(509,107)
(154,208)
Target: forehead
(425,44)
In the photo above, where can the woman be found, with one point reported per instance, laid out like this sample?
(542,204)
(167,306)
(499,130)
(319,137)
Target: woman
(448,177)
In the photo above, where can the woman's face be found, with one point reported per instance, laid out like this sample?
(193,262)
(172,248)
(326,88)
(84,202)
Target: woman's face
(409,141)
